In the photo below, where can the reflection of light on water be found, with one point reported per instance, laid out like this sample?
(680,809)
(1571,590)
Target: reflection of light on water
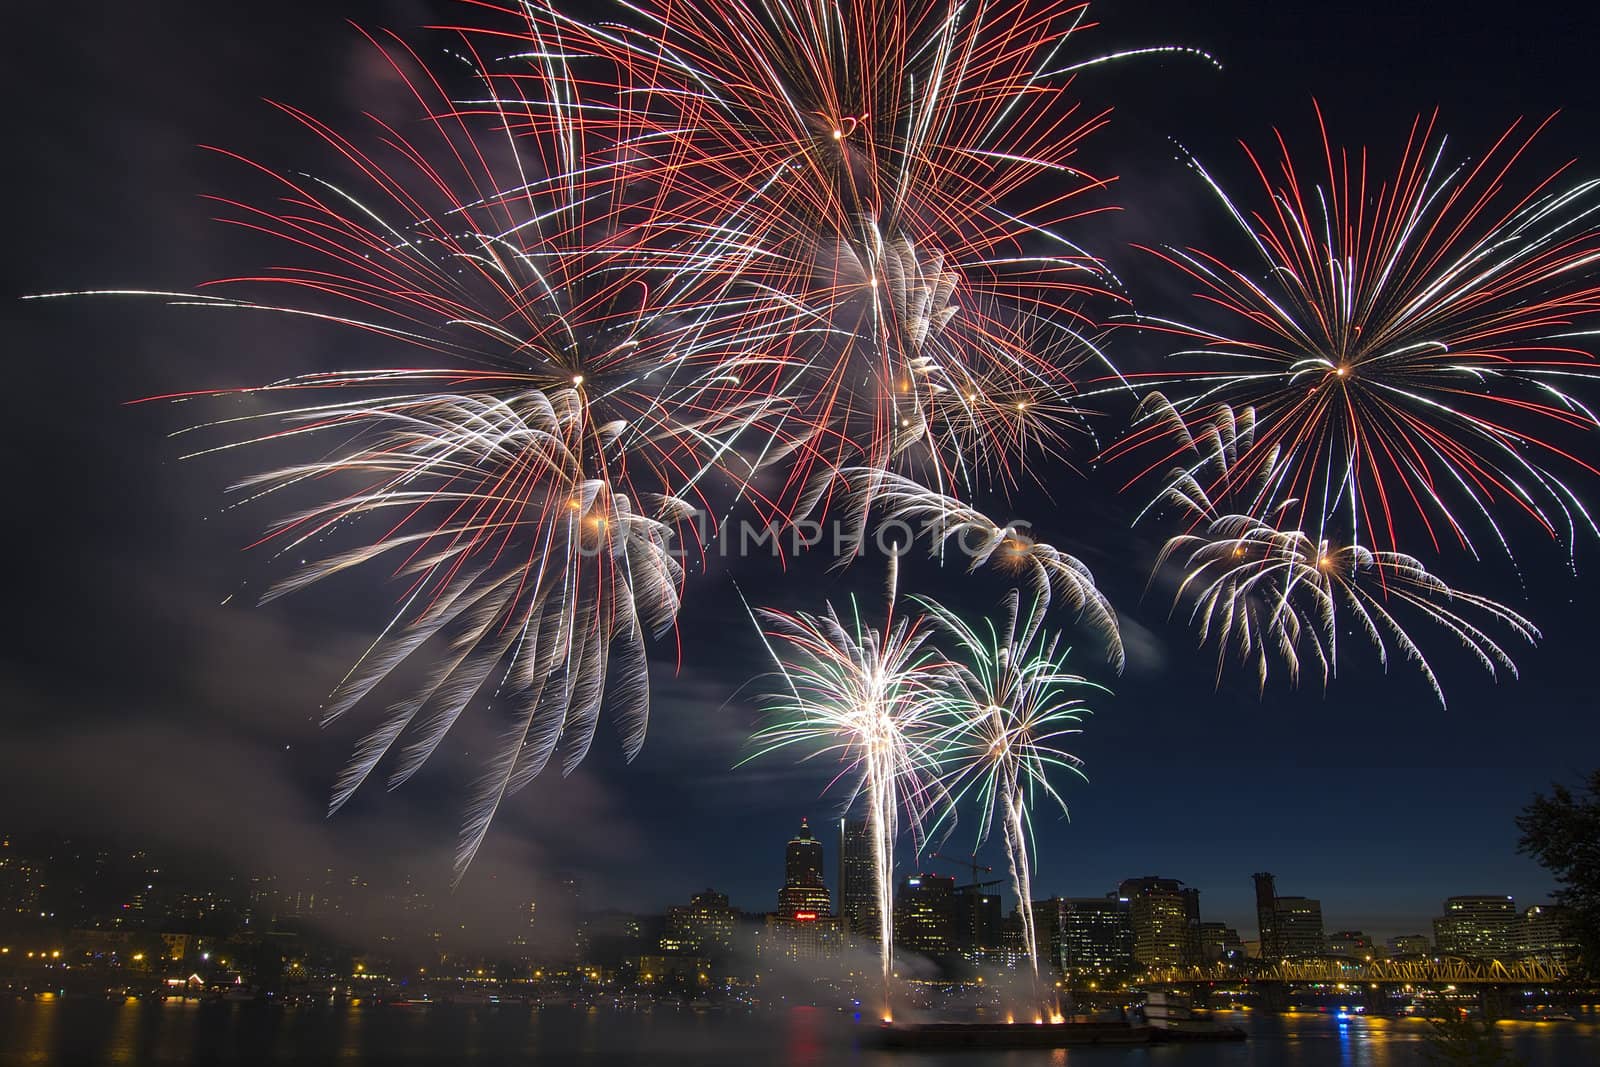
(41,1034)
(1346,1045)
(123,1045)
(350,1037)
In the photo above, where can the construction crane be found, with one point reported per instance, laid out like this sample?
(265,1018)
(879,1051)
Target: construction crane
(972,865)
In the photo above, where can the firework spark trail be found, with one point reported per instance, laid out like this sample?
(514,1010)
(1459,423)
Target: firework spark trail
(528,491)
(1411,346)
(1262,588)
(650,274)
(864,696)
(1011,704)
(951,527)
(897,174)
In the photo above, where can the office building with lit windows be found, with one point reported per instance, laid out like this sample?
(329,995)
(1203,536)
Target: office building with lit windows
(925,914)
(858,881)
(1480,927)
(804,889)
(1165,916)
(1096,936)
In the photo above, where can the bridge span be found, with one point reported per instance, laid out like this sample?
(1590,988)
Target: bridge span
(1427,971)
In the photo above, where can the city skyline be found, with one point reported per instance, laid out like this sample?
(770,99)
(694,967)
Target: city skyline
(129,919)
(794,885)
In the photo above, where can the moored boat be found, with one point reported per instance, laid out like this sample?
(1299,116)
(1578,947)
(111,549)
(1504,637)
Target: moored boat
(1171,1017)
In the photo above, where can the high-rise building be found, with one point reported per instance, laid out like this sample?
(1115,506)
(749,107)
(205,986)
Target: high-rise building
(1288,926)
(1545,932)
(806,936)
(1267,916)
(703,927)
(1165,916)
(978,922)
(1096,936)
(858,881)
(803,887)
(925,914)
(1477,926)
(1299,927)
(1219,943)
(1047,932)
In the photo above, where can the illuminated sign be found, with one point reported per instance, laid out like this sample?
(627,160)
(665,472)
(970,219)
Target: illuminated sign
(805,916)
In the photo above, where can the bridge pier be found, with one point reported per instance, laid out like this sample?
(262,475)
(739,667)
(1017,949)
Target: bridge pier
(1273,997)
(1496,1002)
(1379,1000)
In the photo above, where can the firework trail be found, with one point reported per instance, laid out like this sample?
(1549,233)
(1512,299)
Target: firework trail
(951,527)
(1410,346)
(1261,588)
(864,696)
(1006,715)
(532,491)
(893,176)
(650,265)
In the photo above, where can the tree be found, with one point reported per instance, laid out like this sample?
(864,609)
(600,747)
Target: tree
(1562,832)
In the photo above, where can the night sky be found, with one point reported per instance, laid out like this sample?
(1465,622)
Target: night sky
(141,707)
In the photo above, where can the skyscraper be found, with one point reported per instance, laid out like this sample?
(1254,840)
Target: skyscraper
(858,882)
(1165,915)
(1288,926)
(1299,922)
(925,914)
(804,891)
(1484,927)
(978,921)
(1096,935)
(1267,915)
(1047,932)
(1545,932)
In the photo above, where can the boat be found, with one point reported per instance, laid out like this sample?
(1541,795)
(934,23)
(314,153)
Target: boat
(1172,1018)
(1007,1035)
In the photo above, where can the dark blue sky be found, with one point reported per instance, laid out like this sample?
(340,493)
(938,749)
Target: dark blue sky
(131,689)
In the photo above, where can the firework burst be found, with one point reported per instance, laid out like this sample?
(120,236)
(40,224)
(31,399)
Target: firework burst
(1011,706)
(532,490)
(892,179)
(1411,347)
(1260,588)
(864,696)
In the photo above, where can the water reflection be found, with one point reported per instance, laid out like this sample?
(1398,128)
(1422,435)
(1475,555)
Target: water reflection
(48,1031)
(123,1040)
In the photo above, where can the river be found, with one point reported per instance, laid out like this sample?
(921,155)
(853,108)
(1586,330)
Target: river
(50,1032)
